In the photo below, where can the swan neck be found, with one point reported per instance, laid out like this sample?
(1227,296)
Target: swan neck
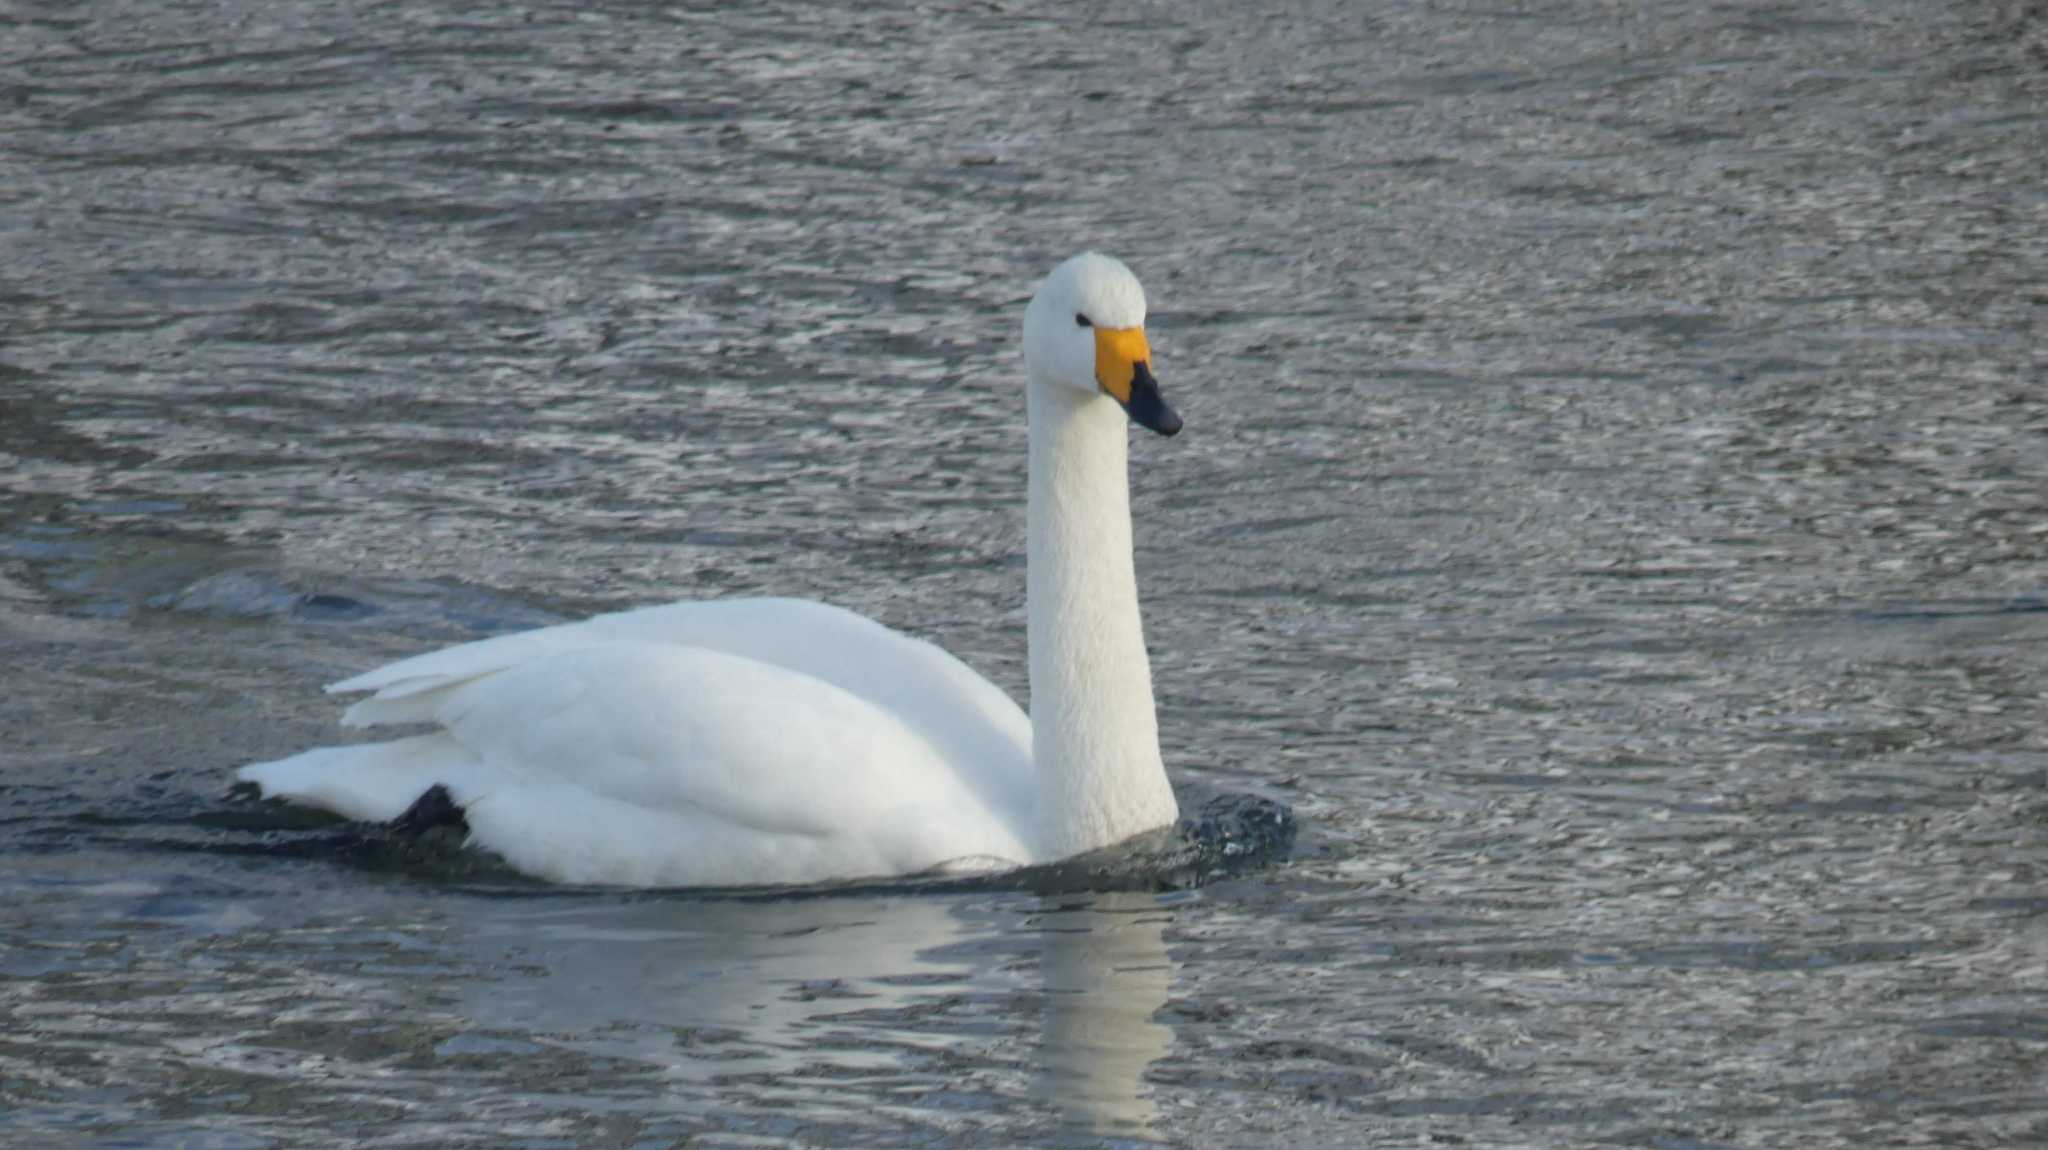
(1094,732)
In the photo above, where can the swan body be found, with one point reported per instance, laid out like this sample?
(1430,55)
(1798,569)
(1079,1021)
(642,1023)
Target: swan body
(778,741)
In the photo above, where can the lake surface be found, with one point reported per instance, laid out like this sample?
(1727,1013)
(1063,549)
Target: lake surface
(1613,511)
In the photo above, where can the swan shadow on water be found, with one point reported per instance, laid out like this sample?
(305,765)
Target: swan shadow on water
(1229,834)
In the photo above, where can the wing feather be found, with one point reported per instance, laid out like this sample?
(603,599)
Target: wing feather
(662,727)
(967,718)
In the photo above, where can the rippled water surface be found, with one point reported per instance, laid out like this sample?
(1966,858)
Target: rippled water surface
(1611,512)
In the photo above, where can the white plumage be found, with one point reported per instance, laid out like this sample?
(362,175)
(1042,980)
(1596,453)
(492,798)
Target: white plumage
(768,741)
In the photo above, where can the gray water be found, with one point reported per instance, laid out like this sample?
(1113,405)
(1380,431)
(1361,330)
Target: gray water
(1611,512)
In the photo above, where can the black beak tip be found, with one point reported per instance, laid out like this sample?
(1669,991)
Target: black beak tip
(1147,408)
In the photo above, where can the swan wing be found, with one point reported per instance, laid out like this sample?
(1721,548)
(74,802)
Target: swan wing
(969,719)
(654,763)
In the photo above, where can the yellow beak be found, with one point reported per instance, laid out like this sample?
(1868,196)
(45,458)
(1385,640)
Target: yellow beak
(1123,371)
(1119,352)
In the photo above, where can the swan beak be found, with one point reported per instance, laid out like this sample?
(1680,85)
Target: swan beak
(1121,356)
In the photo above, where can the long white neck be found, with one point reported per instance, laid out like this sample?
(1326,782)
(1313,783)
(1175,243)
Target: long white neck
(1094,735)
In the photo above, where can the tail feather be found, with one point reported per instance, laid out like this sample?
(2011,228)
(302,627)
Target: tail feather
(383,707)
(412,690)
(371,782)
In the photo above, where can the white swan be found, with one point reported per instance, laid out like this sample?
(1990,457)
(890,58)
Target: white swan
(769,741)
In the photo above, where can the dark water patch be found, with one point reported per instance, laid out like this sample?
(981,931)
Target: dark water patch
(2014,1027)
(1768,956)
(629,110)
(1935,613)
(112,576)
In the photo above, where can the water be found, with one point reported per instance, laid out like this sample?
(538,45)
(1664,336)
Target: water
(1611,513)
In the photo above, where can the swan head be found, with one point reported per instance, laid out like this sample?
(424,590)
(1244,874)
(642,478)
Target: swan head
(1085,329)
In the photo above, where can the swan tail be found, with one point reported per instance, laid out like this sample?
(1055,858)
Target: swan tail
(433,669)
(413,690)
(369,782)
(420,705)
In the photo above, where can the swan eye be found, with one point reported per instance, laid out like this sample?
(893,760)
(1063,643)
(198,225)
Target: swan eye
(1081,320)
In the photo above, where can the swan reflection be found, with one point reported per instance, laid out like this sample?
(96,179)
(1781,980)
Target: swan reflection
(1106,974)
(888,1008)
